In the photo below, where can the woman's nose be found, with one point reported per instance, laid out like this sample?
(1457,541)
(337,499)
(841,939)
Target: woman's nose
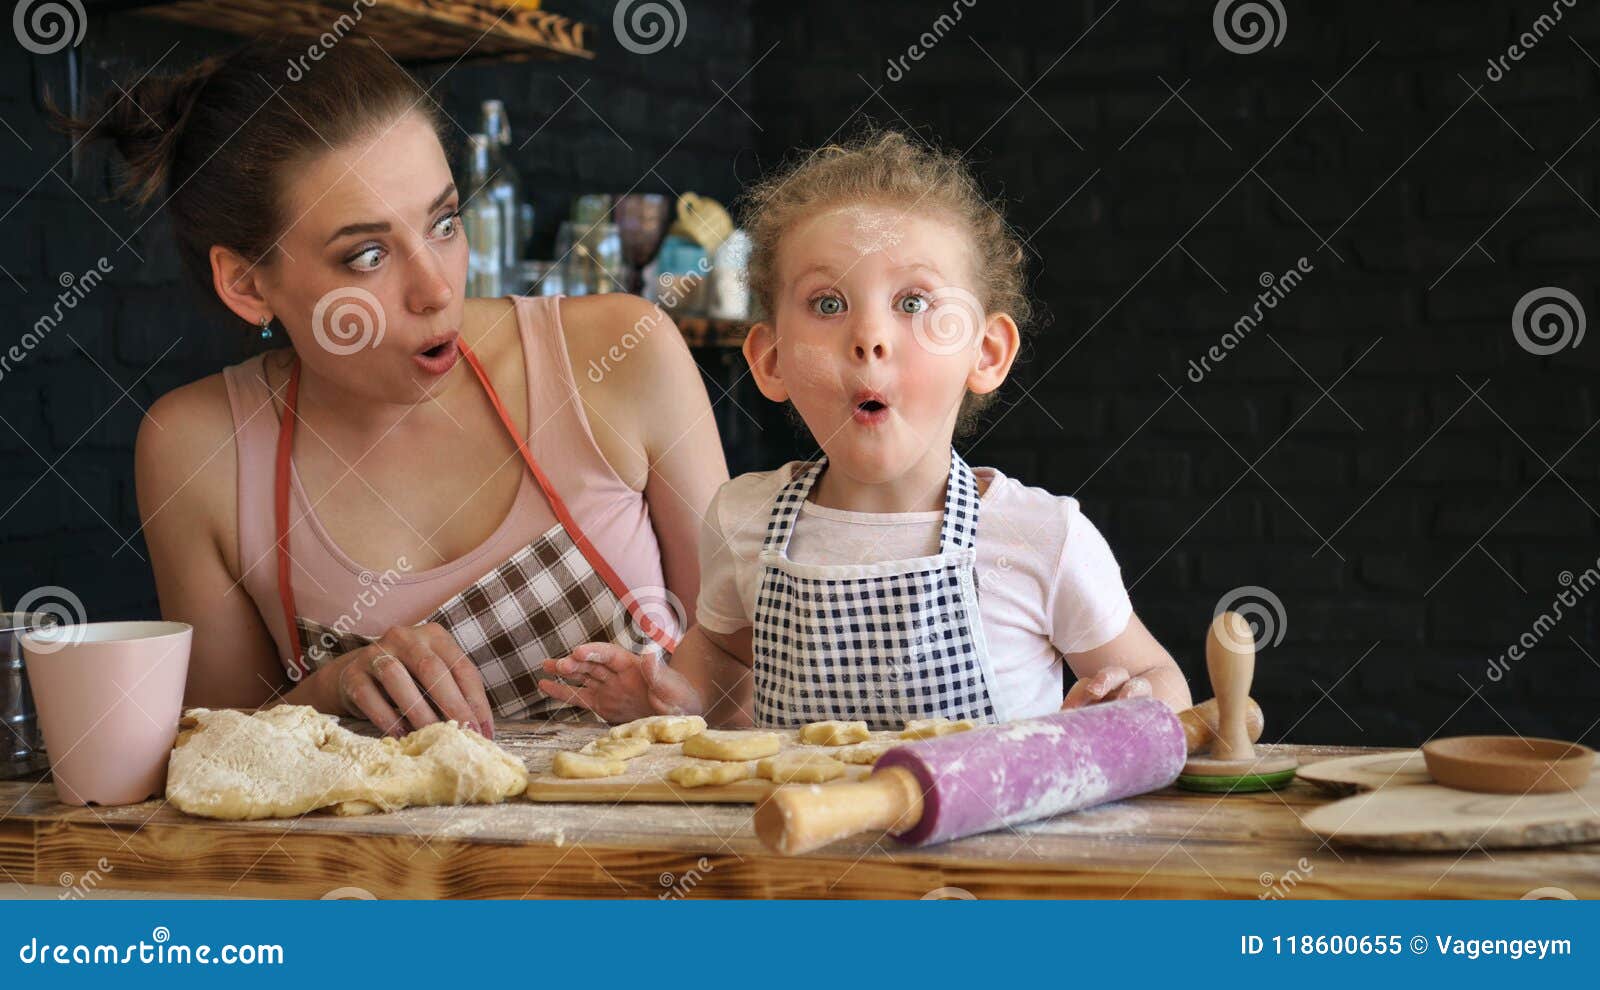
(430,288)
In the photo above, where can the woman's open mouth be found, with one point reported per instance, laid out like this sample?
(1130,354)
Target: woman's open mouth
(870,409)
(439,356)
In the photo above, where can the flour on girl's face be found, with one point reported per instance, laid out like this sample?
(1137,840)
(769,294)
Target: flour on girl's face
(872,230)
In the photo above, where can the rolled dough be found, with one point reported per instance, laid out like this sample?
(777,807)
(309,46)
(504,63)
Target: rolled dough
(732,745)
(702,774)
(286,761)
(864,754)
(660,728)
(616,749)
(834,733)
(578,766)
(929,728)
(800,768)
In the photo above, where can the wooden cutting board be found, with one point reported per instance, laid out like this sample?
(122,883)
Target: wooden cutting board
(646,779)
(1400,808)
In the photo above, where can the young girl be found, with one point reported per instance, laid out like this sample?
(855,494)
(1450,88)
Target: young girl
(885,580)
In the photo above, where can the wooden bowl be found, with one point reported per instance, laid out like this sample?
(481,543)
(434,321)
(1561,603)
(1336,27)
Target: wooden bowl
(1508,764)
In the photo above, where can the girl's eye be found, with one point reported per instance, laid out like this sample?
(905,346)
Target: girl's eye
(828,305)
(367,260)
(913,304)
(448,225)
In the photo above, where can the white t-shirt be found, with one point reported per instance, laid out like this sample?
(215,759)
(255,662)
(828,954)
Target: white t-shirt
(1049,583)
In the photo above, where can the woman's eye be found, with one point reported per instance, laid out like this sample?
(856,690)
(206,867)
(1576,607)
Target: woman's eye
(367,260)
(829,305)
(447,225)
(913,304)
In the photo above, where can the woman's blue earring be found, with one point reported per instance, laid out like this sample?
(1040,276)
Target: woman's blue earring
(266,328)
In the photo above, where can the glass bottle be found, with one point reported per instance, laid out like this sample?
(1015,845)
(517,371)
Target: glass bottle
(514,198)
(483,214)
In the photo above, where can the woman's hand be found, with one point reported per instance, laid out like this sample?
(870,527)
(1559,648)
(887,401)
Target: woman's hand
(408,678)
(620,686)
(1107,684)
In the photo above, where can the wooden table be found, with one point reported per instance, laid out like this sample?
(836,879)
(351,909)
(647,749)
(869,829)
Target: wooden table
(1168,844)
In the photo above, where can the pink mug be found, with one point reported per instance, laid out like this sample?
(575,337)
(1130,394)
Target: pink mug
(109,696)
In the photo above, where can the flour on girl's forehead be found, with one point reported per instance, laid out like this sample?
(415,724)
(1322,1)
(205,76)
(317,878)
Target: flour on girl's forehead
(874,228)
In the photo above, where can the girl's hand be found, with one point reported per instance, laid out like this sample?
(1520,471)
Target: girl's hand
(408,678)
(1107,684)
(620,686)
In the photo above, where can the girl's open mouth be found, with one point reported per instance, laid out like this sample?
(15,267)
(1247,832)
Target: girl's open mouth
(439,356)
(870,409)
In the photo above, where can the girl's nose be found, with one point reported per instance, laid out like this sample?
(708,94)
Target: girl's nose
(871,340)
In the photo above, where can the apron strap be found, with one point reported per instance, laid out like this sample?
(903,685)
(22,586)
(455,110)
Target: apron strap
(280,510)
(601,566)
(786,507)
(960,528)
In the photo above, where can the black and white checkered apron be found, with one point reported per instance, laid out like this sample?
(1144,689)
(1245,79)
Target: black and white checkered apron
(883,642)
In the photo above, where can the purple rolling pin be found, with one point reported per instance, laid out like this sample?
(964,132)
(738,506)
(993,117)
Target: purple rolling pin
(1022,771)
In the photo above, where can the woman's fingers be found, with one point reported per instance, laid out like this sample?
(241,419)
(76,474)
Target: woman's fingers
(363,696)
(582,697)
(466,681)
(396,680)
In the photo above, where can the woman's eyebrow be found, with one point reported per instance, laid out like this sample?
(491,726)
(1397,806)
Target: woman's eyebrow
(382,226)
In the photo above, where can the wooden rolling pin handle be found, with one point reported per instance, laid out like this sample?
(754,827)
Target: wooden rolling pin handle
(797,818)
(1200,724)
(1231,663)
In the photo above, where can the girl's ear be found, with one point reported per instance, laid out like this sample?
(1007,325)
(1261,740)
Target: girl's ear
(997,351)
(238,284)
(761,351)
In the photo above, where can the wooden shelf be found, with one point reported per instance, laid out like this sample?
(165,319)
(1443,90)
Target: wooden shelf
(417,32)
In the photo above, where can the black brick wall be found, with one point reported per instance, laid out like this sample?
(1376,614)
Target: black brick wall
(1446,532)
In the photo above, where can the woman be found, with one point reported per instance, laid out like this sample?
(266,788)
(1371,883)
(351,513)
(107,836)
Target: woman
(404,511)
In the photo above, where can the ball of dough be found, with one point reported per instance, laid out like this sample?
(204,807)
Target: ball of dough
(732,745)
(865,754)
(834,733)
(661,728)
(800,768)
(616,749)
(701,774)
(929,728)
(577,766)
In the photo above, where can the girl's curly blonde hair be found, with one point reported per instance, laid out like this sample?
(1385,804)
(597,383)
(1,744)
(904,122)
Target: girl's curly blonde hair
(886,167)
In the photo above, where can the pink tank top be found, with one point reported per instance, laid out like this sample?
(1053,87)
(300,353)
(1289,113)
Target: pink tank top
(329,585)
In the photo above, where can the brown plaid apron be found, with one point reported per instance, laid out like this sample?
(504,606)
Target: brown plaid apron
(551,596)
